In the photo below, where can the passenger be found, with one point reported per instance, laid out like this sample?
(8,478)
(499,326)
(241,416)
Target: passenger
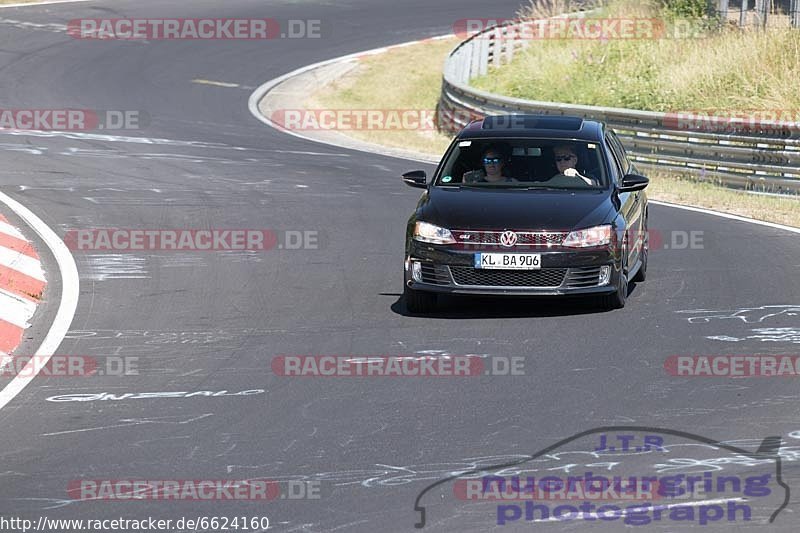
(493,169)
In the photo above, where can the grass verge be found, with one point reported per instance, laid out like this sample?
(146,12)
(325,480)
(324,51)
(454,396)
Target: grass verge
(407,78)
(410,78)
(678,189)
(705,69)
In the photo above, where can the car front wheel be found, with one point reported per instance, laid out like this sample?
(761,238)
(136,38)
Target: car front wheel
(642,274)
(616,300)
(419,302)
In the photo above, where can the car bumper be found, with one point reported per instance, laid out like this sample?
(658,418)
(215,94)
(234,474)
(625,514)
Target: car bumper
(564,272)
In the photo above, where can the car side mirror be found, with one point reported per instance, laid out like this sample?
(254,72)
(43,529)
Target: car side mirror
(416,178)
(633,182)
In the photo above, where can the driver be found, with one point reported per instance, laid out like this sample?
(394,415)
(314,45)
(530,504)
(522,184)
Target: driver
(566,160)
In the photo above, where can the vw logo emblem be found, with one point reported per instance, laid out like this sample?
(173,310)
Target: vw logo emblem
(508,239)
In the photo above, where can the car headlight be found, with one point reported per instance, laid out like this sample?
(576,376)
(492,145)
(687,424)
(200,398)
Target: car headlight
(585,238)
(425,232)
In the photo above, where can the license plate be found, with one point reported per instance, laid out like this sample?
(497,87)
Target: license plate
(509,261)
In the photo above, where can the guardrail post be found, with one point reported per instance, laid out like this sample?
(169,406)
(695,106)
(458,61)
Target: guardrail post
(487,44)
(509,51)
(722,10)
(470,62)
(794,10)
(458,71)
(497,51)
(745,6)
(762,10)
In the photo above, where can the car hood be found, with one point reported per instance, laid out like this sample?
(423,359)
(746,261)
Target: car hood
(500,209)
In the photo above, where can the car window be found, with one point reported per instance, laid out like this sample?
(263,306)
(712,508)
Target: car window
(616,169)
(618,162)
(619,150)
(524,163)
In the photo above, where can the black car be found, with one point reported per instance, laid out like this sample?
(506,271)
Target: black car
(528,205)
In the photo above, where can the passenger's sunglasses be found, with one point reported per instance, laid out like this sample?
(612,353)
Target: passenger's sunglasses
(492,160)
(560,158)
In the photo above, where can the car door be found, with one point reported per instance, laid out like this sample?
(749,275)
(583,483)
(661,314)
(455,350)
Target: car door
(631,202)
(640,197)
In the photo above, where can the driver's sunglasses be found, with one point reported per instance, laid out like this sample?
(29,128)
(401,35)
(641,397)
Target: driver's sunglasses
(560,158)
(492,160)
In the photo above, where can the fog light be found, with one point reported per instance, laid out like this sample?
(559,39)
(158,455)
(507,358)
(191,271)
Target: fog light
(605,275)
(416,271)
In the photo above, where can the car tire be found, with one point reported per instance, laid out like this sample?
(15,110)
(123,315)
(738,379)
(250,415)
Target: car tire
(642,274)
(616,300)
(419,302)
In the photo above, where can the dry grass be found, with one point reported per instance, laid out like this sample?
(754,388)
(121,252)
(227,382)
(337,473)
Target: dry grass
(711,70)
(407,78)
(542,9)
(686,191)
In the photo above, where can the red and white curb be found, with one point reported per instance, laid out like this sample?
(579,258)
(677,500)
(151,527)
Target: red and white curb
(22,284)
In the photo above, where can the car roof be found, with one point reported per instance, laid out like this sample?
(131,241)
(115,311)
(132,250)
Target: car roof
(543,126)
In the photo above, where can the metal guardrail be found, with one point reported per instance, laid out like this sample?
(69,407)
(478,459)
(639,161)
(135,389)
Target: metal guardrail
(766,157)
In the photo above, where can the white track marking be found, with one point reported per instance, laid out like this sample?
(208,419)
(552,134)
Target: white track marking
(43,3)
(70,290)
(726,215)
(57,28)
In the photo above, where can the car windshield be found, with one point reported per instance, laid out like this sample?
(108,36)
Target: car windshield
(524,164)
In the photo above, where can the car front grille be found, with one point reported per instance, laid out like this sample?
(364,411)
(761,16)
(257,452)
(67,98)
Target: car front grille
(583,277)
(524,238)
(546,277)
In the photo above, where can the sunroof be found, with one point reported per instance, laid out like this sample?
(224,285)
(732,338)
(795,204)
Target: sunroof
(541,122)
